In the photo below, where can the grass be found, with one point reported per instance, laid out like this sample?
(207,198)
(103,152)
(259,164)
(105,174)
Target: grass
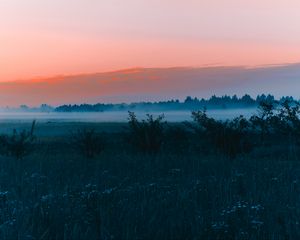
(187,190)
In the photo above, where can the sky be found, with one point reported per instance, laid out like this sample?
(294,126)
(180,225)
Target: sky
(55,37)
(153,84)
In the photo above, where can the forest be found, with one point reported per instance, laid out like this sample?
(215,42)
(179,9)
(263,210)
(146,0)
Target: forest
(189,103)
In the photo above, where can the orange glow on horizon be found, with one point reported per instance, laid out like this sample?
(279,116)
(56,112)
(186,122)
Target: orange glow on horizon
(55,55)
(53,37)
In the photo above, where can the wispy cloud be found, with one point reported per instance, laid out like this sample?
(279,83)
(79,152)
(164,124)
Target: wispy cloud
(153,84)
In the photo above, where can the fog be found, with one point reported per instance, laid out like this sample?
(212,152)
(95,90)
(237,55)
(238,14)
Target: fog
(117,116)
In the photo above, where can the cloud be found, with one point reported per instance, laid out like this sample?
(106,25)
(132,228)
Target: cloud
(148,84)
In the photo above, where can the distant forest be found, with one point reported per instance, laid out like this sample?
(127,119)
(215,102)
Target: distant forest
(190,103)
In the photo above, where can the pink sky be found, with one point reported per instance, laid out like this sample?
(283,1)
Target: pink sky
(51,37)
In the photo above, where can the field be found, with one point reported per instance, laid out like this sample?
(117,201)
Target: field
(186,190)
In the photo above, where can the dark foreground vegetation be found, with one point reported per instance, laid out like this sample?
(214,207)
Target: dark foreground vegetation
(205,179)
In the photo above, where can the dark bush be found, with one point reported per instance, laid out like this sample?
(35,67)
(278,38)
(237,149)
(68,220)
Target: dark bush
(177,138)
(266,119)
(146,135)
(288,118)
(87,142)
(19,144)
(228,137)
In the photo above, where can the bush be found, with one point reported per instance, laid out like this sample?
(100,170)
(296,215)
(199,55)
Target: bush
(265,120)
(177,138)
(277,118)
(288,118)
(19,144)
(87,142)
(228,137)
(146,135)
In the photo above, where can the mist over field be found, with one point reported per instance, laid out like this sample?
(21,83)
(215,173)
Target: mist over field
(118,116)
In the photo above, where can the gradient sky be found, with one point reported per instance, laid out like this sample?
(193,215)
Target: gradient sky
(50,37)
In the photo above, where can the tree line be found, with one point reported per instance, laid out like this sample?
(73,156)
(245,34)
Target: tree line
(190,103)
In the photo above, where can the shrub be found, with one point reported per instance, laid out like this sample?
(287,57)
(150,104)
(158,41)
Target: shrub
(19,144)
(288,118)
(266,119)
(277,118)
(177,138)
(146,135)
(87,142)
(228,137)
(237,137)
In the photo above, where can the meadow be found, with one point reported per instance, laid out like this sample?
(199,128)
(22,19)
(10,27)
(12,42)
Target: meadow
(202,179)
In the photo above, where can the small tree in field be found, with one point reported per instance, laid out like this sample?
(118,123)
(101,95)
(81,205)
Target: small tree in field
(146,135)
(19,144)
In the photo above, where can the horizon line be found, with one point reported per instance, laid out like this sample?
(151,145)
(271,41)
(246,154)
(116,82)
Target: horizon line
(179,99)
